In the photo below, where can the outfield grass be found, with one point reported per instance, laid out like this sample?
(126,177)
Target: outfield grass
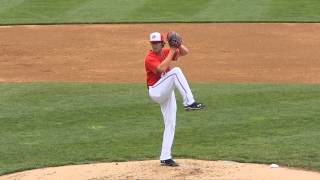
(50,124)
(102,11)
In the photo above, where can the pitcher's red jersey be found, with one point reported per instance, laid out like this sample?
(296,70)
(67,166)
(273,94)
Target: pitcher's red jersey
(151,61)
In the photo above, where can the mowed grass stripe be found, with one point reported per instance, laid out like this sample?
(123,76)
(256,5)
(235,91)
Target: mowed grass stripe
(50,124)
(32,11)
(128,11)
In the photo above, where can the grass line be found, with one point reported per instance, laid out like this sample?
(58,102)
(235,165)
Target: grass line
(156,11)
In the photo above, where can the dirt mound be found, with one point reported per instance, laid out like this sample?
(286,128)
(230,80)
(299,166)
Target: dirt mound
(188,169)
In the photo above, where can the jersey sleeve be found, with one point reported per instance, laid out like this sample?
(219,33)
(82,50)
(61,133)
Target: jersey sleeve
(151,64)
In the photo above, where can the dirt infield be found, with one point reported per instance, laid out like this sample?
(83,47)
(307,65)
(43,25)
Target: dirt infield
(111,53)
(273,53)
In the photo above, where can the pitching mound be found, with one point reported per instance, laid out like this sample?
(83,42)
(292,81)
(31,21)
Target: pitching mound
(188,169)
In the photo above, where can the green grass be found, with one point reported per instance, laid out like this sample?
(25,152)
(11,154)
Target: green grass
(51,124)
(108,11)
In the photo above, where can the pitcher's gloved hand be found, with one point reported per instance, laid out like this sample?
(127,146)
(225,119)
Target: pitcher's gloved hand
(174,39)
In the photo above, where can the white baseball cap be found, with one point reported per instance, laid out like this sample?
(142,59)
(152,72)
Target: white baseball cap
(156,37)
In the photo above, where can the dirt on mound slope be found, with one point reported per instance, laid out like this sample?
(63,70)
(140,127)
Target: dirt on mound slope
(188,169)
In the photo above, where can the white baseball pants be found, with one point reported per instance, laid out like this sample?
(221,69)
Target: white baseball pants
(163,93)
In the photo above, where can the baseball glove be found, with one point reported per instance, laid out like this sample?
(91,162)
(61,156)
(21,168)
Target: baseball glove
(174,39)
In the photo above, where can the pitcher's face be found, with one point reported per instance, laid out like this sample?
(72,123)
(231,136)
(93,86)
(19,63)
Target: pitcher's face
(156,46)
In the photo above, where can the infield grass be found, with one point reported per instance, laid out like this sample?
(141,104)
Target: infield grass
(129,11)
(51,124)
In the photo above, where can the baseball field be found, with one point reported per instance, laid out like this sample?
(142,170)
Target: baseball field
(72,89)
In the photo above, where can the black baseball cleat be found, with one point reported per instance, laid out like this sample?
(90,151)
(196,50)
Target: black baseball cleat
(168,162)
(194,106)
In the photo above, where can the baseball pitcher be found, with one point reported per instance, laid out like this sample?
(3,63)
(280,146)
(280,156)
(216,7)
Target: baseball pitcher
(161,83)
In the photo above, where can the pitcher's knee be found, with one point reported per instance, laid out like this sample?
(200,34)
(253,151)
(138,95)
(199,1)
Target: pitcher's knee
(177,70)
